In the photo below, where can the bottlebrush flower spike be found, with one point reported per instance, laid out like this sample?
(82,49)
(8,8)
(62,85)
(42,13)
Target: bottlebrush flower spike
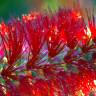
(73,26)
(82,83)
(48,55)
(54,41)
(12,43)
(36,39)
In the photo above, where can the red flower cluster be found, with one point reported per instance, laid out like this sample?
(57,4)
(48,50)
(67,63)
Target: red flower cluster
(43,55)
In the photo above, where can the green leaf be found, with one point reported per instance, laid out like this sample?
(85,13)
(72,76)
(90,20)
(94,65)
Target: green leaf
(34,73)
(52,4)
(88,56)
(2,80)
(64,67)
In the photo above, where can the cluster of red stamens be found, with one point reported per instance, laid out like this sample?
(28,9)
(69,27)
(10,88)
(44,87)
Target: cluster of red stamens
(43,55)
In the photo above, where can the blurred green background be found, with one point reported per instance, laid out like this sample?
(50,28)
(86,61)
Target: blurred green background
(16,8)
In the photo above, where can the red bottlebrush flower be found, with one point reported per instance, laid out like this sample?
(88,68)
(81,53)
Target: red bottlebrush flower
(87,83)
(35,36)
(39,87)
(54,42)
(81,84)
(74,27)
(12,43)
(26,68)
